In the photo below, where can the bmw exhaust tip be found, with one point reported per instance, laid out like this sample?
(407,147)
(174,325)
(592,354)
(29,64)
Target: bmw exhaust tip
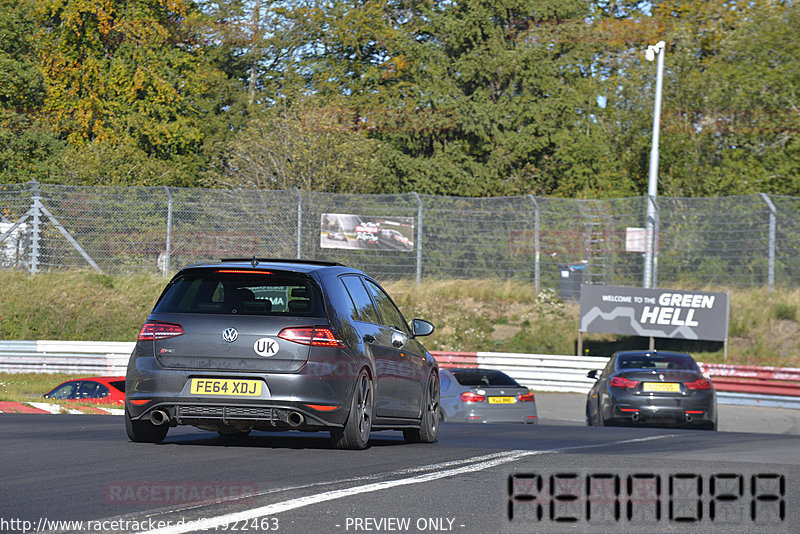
(635,417)
(159,417)
(688,418)
(295,419)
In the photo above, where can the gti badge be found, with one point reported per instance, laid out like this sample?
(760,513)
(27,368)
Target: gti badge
(230,335)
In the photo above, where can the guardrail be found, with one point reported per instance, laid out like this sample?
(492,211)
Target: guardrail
(109,358)
(735,384)
(540,372)
(752,379)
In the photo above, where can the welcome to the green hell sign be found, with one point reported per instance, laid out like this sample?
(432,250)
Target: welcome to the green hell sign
(665,313)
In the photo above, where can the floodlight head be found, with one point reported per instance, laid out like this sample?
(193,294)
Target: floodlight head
(652,50)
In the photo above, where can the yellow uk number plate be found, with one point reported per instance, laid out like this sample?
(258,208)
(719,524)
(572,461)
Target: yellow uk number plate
(669,387)
(502,400)
(218,386)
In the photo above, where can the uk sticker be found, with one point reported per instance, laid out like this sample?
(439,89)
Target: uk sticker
(266,347)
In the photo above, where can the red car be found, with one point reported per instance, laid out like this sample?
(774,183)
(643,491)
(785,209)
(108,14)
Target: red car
(100,389)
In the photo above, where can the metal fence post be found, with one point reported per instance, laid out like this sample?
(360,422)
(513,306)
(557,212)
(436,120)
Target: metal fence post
(168,252)
(419,237)
(299,222)
(536,271)
(36,207)
(772,221)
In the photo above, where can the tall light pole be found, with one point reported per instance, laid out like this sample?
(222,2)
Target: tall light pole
(653,51)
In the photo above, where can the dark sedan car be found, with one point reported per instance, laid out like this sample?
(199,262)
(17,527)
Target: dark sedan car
(281,345)
(485,396)
(652,387)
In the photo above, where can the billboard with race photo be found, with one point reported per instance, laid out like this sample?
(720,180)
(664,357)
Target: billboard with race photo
(366,232)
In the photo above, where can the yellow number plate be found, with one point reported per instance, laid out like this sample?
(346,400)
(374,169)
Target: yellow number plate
(234,388)
(669,387)
(502,400)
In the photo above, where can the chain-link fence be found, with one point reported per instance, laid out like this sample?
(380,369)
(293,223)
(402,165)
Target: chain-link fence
(554,243)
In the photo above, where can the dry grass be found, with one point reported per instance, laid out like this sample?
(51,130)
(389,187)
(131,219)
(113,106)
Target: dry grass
(75,305)
(470,315)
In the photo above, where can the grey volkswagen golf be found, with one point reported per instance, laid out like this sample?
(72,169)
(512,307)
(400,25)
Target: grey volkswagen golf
(278,345)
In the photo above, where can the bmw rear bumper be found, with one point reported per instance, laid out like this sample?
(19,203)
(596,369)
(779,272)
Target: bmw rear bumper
(699,409)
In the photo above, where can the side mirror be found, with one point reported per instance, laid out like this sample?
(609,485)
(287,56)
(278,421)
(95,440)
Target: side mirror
(421,327)
(592,374)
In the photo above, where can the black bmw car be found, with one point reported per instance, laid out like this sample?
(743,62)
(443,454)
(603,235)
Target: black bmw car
(276,345)
(654,388)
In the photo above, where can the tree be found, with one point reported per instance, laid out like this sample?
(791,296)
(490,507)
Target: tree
(309,146)
(508,100)
(129,73)
(29,149)
(727,124)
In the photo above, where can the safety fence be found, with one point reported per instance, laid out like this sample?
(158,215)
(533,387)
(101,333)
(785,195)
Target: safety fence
(750,240)
(735,384)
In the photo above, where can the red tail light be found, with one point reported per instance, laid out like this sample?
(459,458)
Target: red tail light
(621,382)
(469,396)
(526,397)
(316,336)
(154,331)
(699,384)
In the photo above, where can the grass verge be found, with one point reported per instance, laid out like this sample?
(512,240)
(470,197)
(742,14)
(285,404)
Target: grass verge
(470,315)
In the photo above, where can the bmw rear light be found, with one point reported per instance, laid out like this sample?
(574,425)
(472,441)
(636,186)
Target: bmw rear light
(469,396)
(155,330)
(622,382)
(315,336)
(699,384)
(527,397)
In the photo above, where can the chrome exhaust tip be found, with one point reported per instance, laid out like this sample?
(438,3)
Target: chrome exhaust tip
(295,419)
(159,417)
(635,417)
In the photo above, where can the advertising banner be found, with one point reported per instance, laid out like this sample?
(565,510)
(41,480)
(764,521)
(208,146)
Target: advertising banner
(664,313)
(365,232)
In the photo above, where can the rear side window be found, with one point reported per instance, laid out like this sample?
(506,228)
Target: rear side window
(390,315)
(243,293)
(119,384)
(362,309)
(473,378)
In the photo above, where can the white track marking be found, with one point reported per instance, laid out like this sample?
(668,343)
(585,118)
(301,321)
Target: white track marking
(57,408)
(52,408)
(468,465)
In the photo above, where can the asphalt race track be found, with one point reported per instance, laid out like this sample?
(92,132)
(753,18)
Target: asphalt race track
(558,476)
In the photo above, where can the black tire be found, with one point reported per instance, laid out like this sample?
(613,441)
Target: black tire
(588,416)
(144,431)
(429,425)
(600,420)
(710,425)
(355,433)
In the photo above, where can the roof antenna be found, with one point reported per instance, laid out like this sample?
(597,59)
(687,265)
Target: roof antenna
(254,262)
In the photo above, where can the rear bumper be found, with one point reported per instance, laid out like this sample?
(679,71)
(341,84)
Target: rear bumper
(276,416)
(700,410)
(521,412)
(152,387)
